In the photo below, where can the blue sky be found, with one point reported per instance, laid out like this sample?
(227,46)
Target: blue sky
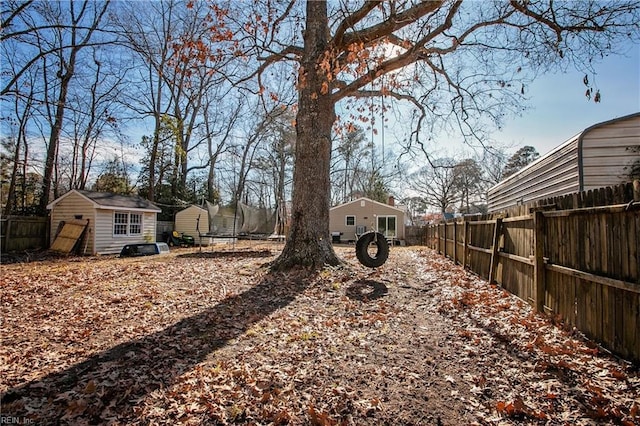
(556,111)
(559,109)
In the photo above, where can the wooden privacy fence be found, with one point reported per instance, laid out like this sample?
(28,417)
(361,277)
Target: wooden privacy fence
(581,264)
(19,233)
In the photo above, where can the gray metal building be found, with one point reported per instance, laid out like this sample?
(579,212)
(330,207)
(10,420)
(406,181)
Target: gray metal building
(597,157)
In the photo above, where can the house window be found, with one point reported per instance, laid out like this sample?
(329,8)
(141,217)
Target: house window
(350,220)
(127,223)
(387,226)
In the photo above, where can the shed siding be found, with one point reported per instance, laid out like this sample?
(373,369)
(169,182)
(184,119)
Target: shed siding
(187,221)
(107,243)
(67,209)
(602,152)
(364,216)
(149,227)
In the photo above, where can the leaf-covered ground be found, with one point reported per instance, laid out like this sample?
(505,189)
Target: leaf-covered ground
(212,338)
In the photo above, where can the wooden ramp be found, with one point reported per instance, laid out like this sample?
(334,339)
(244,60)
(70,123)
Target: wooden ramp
(71,232)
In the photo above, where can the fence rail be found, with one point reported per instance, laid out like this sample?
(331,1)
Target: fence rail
(573,257)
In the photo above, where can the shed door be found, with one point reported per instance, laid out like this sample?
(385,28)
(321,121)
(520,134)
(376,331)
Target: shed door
(71,232)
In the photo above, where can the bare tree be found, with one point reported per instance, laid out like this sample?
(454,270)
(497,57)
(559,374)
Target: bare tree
(95,115)
(147,28)
(219,121)
(17,147)
(469,182)
(79,36)
(437,184)
(245,152)
(175,45)
(277,156)
(49,39)
(492,160)
(350,154)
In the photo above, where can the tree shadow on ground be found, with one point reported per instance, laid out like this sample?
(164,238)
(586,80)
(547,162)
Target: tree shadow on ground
(111,383)
(366,290)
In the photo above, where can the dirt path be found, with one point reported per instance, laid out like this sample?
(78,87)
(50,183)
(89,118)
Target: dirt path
(212,338)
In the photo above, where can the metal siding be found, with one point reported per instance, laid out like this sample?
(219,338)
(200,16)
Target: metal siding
(551,175)
(604,157)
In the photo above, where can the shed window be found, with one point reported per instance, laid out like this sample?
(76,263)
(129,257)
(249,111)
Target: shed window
(350,220)
(135,223)
(127,223)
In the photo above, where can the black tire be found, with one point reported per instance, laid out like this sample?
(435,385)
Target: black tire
(362,249)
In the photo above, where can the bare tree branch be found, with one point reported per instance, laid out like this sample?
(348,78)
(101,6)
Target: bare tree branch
(352,19)
(388,26)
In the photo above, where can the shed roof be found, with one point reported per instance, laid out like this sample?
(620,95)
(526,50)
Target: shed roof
(198,209)
(108,200)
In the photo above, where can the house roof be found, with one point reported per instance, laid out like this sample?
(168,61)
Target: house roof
(357,201)
(108,200)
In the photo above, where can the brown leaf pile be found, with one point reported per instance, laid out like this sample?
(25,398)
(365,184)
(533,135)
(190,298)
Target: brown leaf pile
(213,338)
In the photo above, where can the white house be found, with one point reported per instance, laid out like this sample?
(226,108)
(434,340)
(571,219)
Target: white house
(349,220)
(597,157)
(114,220)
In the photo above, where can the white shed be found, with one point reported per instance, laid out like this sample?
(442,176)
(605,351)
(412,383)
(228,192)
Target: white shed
(191,220)
(597,157)
(114,220)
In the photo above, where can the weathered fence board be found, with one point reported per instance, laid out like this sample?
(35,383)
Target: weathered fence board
(573,257)
(19,233)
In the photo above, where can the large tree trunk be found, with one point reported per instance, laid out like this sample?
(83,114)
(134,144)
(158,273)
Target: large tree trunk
(309,243)
(54,138)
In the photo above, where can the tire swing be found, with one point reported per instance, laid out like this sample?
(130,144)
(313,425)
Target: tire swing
(362,249)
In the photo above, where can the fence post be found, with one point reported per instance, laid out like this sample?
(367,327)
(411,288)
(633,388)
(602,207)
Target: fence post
(444,241)
(465,247)
(455,242)
(497,231)
(438,239)
(636,190)
(430,237)
(539,283)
